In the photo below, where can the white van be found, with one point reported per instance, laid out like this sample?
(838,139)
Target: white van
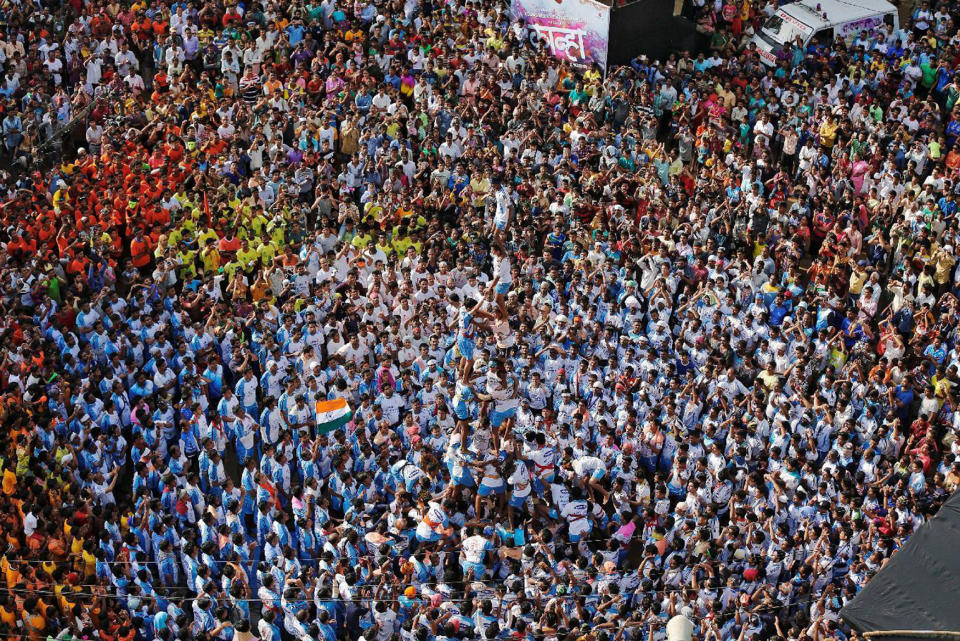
(821,21)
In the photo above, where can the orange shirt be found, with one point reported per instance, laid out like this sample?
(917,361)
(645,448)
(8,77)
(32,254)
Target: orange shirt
(159,216)
(259,290)
(229,245)
(953,159)
(216,147)
(36,624)
(139,252)
(173,152)
(9,483)
(8,617)
(271,86)
(78,265)
(45,235)
(11,575)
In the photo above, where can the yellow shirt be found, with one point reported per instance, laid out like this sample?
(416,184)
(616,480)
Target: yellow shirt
(247,256)
(941,386)
(769,378)
(210,257)
(65,605)
(400,245)
(207,236)
(278,233)
(361,242)
(944,265)
(257,224)
(857,279)
(89,564)
(188,268)
(268,252)
(189,224)
(480,190)
(60,196)
(828,135)
(372,211)
(77,546)
(230,269)
(495,42)
(235,204)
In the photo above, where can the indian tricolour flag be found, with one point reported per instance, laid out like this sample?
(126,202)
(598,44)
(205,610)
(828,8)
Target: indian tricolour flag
(332,414)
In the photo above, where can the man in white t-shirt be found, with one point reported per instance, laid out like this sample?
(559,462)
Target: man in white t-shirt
(473,552)
(434,521)
(392,404)
(29,522)
(577,515)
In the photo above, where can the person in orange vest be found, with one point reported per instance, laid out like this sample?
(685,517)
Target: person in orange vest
(140,252)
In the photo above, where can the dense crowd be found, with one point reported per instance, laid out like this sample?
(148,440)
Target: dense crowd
(675,338)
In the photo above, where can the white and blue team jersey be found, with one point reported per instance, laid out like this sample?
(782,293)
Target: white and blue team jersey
(433,522)
(464,404)
(491,477)
(544,460)
(537,397)
(502,394)
(481,439)
(501,270)
(502,212)
(246,391)
(406,474)
(458,461)
(465,326)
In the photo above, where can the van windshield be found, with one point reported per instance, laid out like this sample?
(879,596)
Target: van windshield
(781,30)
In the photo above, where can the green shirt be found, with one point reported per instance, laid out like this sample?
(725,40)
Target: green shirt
(53,288)
(929,74)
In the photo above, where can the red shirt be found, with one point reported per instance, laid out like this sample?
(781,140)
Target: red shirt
(229,245)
